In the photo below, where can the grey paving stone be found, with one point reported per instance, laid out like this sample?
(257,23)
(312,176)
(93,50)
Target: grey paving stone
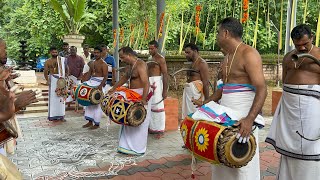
(31,146)
(153,167)
(136,169)
(170,164)
(266,173)
(125,173)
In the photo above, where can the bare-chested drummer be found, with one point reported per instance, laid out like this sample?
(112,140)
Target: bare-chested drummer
(55,68)
(133,140)
(96,77)
(197,86)
(158,77)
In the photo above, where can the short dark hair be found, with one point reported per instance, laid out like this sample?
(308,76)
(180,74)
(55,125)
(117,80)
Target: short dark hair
(73,47)
(192,47)
(98,48)
(65,43)
(52,48)
(299,31)
(233,25)
(85,46)
(155,43)
(128,50)
(104,46)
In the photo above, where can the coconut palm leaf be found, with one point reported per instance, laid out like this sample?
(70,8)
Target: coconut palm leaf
(70,7)
(80,6)
(86,19)
(58,8)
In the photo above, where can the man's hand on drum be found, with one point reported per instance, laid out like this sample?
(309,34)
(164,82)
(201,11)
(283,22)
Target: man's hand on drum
(25,98)
(196,102)
(245,129)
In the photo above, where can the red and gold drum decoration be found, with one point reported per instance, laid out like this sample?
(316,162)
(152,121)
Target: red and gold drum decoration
(216,144)
(87,95)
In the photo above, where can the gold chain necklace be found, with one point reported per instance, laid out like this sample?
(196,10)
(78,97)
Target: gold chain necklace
(228,72)
(295,63)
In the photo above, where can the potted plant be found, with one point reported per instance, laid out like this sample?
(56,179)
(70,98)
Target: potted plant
(75,16)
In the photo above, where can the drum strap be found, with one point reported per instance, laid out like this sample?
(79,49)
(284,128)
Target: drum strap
(60,66)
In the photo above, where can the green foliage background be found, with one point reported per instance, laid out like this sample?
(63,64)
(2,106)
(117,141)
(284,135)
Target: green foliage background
(36,22)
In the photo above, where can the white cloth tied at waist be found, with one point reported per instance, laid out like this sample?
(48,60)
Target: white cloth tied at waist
(235,105)
(297,113)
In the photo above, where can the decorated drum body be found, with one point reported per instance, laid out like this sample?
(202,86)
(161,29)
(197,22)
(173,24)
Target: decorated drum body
(87,95)
(215,143)
(123,112)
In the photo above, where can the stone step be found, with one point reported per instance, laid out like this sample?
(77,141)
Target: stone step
(39,89)
(41,109)
(44,103)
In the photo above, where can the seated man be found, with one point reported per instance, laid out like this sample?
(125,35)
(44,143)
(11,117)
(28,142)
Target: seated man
(97,77)
(133,140)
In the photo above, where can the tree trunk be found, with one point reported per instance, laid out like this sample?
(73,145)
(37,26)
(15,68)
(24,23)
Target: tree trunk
(115,25)
(291,22)
(161,4)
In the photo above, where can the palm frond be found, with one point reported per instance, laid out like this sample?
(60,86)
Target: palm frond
(58,8)
(70,7)
(80,6)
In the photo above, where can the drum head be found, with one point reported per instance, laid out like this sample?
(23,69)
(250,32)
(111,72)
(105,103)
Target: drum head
(136,114)
(104,104)
(96,96)
(234,154)
(61,83)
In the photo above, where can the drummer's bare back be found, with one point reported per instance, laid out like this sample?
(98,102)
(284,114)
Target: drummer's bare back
(135,80)
(98,68)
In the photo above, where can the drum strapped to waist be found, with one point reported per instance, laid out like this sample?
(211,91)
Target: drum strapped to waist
(87,95)
(7,132)
(122,111)
(216,144)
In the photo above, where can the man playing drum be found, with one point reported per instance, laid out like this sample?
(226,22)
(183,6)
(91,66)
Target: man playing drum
(158,77)
(243,90)
(294,131)
(55,68)
(97,77)
(197,86)
(133,140)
